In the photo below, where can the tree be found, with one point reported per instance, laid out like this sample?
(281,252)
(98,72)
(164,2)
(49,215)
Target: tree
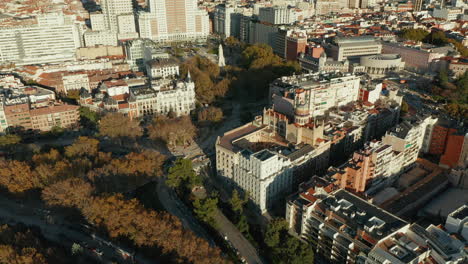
(128,218)
(17,176)
(76,249)
(414,34)
(237,203)
(73,95)
(8,140)
(118,126)
(206,209)
(242,225)
(436,37)
(284,247)
(83,146)
(71,192)
(443,77)
(88,119)
(211,114)
(182,175)
(174,132)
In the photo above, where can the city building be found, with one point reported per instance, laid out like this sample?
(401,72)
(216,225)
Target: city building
(170,20)
(457,222)
(408,138)
(162,68)
(322,64)
(340,226)
(46,118)
(224,19)
(325,7)
(314,93)
(270,156)
(414,244)
(296,44)
(117,18)
(381,64)
(352,47)
(448,13)
(134,98)
(276,15)
(75,82)
(58,35)
(416,58)
(31,107)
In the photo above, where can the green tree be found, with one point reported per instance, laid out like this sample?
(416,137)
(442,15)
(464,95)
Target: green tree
(76,249)
(284,247)
(243,226)
(182,175)
(88,119)
(443,77)
(414,34)
(206,209)
(237,203)
(436,38)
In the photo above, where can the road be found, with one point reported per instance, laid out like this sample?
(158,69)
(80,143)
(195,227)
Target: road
(236,239)
(176,207)
(62,232)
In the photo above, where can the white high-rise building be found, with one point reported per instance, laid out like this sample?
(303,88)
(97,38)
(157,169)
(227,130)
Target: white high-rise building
(170,20)
(54,38)
(116,19)
(265,175)
(113,9)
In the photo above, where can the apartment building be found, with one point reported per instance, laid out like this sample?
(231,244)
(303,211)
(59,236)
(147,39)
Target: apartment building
(352,47)
(415,244)
(17,112)
(356,173)
(340,226)
(406,138)
(32,107)
(46,118)
(314,94)
(58,36)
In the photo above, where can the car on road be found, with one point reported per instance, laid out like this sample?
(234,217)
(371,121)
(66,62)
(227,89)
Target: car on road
(97,251)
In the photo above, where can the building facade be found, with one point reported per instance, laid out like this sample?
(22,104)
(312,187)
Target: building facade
(170,20)
(59,37)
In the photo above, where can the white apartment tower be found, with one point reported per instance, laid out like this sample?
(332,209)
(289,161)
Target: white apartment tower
(174,20)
